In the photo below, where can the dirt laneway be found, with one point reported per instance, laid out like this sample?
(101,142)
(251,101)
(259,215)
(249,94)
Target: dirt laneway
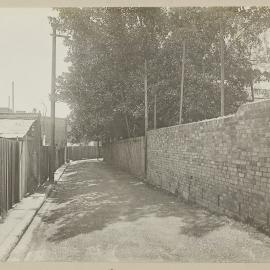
(100,214)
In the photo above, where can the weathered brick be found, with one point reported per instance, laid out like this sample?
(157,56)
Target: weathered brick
(247,168)
(227,157)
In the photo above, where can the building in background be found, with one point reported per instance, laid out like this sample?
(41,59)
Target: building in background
(60,125)
(5,110)
(261,61)
(261,90)
(26,130)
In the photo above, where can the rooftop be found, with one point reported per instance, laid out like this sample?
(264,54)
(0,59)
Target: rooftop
(19,115)
(13,128)
(5,110)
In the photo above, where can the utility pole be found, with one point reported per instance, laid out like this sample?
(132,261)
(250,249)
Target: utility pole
(145,98)
(13,96)
(155,109)
(145,115)
(53,77)
(222,67)
(182,81)
(8,102)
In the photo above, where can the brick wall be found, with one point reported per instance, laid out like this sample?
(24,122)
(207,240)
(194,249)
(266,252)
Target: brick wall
(222,164)
(127,155)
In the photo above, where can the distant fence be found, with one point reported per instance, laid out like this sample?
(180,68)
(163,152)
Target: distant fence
(45,161)
(83,152)
(128,155)
(60,157)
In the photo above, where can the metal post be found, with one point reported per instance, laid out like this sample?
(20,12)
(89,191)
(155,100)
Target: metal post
(182,82)
(222,68)
(146,115)
(53,77)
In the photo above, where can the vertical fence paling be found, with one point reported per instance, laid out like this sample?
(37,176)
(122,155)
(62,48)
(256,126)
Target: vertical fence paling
(19,168)
(45,161)
(9,160)
(17,165)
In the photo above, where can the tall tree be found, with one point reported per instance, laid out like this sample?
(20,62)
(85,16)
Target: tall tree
(107,49)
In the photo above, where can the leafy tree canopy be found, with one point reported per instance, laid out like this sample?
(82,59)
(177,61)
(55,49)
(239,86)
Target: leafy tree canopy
(107,50)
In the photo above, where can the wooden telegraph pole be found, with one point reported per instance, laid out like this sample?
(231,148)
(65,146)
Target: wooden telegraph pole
(145,97)
(53,77)
(145,115)
(222,67)
(182,82)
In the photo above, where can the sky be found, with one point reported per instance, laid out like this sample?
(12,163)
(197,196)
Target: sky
(25,58)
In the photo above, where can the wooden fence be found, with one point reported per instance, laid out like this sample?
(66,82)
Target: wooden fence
(83,152)
(24,165)
(45,163)
(9,175)
(60,159)
(23,168)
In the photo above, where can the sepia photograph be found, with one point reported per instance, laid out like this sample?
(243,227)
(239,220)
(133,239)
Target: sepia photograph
(135,134)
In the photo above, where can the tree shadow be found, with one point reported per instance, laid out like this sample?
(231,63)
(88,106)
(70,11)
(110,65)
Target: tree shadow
(94,195)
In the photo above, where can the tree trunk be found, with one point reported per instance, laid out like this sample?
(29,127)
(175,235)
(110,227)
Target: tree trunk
(127,125)
(98,147)
(252,90)
(155,110)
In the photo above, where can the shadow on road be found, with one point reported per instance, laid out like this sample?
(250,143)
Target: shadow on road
(93,195)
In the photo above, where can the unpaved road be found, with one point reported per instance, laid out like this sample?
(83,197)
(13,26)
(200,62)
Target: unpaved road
(100,214)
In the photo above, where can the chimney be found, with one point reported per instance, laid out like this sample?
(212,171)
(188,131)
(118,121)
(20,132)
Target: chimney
(13,96)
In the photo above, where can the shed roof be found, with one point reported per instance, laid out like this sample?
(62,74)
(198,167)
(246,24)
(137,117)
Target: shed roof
(13,128)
